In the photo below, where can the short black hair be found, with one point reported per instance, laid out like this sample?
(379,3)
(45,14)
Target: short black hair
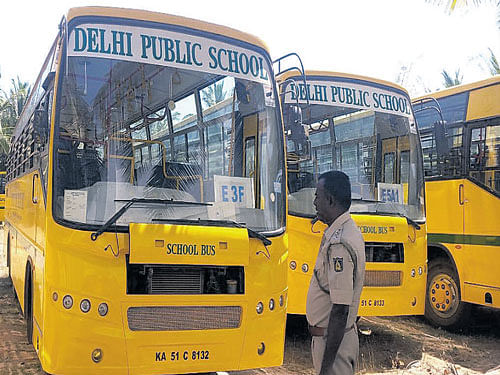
(337,184)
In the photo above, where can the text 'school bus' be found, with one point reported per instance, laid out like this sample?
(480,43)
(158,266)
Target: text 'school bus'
(365,128)
(145,205)
(2,195)
(460,130)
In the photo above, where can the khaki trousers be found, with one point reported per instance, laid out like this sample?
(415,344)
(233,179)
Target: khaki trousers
(347,355)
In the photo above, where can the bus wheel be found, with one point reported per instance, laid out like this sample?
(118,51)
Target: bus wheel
(443,305)
(28,304)
(8,256)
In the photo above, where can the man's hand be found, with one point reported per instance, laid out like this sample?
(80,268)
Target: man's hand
(335,334)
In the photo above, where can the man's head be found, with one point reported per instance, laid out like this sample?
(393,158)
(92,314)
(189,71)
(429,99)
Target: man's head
(333,196)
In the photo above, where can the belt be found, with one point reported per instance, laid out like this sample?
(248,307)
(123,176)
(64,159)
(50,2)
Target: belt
(320,331)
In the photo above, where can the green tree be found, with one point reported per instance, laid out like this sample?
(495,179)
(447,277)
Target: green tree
(493,63)
(213,94)
(11,106)
(448,81)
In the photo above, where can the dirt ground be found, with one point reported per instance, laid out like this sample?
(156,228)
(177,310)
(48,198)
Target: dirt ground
(406,345)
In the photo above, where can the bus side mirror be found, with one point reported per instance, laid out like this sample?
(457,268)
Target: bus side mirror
(441,138)
(295,129)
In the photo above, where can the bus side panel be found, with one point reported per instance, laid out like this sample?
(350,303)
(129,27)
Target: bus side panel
(25,209)
(482,243)
(303,245)
(484,103)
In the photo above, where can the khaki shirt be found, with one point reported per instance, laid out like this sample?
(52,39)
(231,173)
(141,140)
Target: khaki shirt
(332,281)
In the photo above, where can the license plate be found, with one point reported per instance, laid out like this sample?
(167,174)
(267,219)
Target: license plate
(182,356)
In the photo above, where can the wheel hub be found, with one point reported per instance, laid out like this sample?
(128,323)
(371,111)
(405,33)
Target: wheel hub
(443,295)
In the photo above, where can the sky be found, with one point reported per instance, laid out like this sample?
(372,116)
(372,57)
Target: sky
(412,40)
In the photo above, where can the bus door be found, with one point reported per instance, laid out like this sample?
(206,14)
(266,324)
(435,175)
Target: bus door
(481,204)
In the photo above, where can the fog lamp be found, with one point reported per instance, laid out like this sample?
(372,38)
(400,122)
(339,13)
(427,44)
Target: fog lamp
(102,309)
(271,304)
(260,308)
(67,301)
(261,349)
(97,355)
(85,305)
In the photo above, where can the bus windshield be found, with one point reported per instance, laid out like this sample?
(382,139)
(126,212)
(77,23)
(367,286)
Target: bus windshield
(365,131)
(203,127)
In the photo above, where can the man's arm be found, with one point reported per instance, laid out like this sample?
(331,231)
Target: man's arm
(335,334)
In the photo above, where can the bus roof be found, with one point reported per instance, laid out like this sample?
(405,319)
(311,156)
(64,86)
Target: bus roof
(324,73)
(135,14)
(461,88)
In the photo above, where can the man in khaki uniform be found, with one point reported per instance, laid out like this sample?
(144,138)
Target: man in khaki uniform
(333,296)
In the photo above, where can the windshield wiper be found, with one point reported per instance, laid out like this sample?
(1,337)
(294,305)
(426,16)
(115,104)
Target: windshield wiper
(366,200)
(408,220)
(251,233)
(132,201)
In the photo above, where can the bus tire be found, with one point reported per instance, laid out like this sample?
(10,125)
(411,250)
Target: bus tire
(28,303)
(8,256)
(443,302)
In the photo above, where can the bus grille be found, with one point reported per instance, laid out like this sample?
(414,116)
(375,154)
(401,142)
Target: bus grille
(183,318)
(181,281)
(382,278)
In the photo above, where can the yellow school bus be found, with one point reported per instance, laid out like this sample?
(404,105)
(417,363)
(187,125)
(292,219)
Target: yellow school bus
(460,130)
(2,195)
(145,224)
(365,128)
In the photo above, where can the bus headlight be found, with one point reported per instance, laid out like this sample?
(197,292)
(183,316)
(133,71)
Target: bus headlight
(420,270)
(412,272)
(293,265)
(67,301)
(260,308)
(271,304)
(102,309)
(305,268)
(85,305)
(282,300)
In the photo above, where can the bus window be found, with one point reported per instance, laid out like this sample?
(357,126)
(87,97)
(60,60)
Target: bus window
(404,167)
(485,156)
(184,113)
(250,157)
(389,168)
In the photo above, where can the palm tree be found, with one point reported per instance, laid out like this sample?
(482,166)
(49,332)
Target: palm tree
(448,81)
(493,63)
(11,106)
(213,94)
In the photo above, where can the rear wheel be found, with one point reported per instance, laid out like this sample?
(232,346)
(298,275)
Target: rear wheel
(8,256)
(28,304)
(443,305)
